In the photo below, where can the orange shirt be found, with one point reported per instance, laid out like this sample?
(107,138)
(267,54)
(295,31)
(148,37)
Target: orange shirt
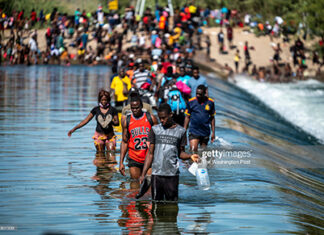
(130,73)
(138,130)
(260,26)
(162,22)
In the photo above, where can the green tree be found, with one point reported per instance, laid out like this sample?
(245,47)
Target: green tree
(6,5)
(314,16)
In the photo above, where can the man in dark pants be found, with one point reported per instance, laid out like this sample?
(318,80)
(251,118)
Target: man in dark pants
(166,145)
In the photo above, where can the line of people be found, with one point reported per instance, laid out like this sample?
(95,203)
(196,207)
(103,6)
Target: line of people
(152,148)
(162,76)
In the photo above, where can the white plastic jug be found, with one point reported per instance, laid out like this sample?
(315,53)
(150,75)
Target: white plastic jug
(202,178)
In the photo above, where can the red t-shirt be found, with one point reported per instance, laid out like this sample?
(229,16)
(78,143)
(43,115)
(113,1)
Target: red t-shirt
(145,20)
(33,16)
(138,130)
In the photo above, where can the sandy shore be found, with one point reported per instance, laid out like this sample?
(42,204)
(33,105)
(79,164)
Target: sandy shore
(261,55)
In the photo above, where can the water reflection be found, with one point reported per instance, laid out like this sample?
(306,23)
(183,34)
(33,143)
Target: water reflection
(200,223)
(308,224)
(105,164)
(143,217)
(165,217)
(136,217)
(44,86)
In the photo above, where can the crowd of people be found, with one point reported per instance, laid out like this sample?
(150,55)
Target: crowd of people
(158,74)
(99,37)
(67,38)
(281,70)
(152,69)
(153,150)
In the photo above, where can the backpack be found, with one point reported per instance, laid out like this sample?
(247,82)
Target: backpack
(176,101)
(168,82)
(148,116)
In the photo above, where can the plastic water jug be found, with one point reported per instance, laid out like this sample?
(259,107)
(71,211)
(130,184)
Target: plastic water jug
(202,178)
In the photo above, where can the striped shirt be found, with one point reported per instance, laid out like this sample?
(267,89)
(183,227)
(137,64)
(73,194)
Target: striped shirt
(139,78)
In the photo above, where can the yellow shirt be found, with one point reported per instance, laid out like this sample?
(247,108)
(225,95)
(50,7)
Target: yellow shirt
(118,85)
(177,34)
(237,57)
(192,9)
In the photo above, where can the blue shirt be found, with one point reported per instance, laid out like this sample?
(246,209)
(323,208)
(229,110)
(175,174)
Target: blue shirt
(194,83)
(153,38)
(165,79)
(84,39)
(185,79)
(200,116)
(77,15)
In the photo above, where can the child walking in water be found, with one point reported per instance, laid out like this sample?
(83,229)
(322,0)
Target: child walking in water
(106,117)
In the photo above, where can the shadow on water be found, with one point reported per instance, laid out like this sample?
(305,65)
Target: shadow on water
(49,182)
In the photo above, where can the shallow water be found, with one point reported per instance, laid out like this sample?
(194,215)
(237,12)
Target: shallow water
(52,183)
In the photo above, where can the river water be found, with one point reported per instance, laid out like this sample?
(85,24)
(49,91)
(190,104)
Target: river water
(52,183)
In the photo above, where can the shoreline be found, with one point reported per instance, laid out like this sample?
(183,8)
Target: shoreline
(213,66)
(260,54)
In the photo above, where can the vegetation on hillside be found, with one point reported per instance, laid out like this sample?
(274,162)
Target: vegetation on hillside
(308,12)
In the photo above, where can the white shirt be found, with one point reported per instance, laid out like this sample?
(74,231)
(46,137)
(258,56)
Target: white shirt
(129,15)
(247,19)
(142,41)
(32,44)
(100,17)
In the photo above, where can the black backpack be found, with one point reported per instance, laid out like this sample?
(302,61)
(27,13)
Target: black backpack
(148,115)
